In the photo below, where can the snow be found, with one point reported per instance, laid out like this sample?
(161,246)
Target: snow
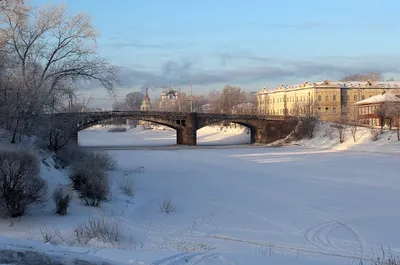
(310,202)
(161,135)
(386,97)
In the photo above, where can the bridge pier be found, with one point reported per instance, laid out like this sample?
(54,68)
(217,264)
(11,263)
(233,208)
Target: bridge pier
(259,135)
(73,138)
(179,136)
(188,135)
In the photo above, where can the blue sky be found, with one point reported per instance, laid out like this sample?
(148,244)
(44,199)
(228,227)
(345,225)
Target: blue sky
(250,44)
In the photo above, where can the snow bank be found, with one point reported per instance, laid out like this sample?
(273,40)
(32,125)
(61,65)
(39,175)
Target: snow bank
(312,202)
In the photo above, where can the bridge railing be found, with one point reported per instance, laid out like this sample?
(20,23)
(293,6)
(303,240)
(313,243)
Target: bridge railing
(177,114)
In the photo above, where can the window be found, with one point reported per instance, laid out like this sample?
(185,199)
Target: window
(355,97)
(319,97)
(363,97)
(334,97)
(326,109)
(327,97)
(319,109)
(334,109)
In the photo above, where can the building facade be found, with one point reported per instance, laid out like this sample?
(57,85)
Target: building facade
(378,110)
(327,100)
(170,100)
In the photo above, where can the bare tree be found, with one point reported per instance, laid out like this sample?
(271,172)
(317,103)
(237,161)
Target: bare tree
(198,102)
(52,51)
(341,124)
(372,76)
(354,124)
(59,132)
(308,117)
(385,113)
(230,97)
(245,108)
(118,106)
(396,123)
(78,105)
(133,101)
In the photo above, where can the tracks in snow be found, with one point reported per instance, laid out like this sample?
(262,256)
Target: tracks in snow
(185,259)
(320,236)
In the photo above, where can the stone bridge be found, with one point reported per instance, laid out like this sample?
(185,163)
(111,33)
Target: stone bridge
(263,129)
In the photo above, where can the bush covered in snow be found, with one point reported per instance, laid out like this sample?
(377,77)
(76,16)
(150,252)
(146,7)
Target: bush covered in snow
(74,154)
(100,228)
(61,199)
(91,182)
(128,187)
(374,135)
(88,173)
(20,182)
(166,205)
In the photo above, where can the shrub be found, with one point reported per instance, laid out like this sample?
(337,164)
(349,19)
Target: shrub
(374,135)
(20,182)
(167,206)
(74,154)
(92,183)
(88,175)
(100,228)
(117,129)
(68,154)
(386,258)
(52,236)
(328,132)
(306,127)
(103,160)
(61,199)
(128,187)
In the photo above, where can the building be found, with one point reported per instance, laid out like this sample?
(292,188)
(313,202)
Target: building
(170,100)
(146,104)
(328,100)
(378,110)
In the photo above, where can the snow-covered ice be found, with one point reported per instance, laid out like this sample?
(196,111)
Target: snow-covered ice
(313,202)
(161,136)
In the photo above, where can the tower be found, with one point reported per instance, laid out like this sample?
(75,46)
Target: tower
(146,104)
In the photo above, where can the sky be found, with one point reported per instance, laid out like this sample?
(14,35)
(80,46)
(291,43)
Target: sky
(251,44)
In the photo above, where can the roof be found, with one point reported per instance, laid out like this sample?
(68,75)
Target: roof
(339,84)
(386,97)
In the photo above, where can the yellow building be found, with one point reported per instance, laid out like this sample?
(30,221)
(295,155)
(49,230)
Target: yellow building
(327,100)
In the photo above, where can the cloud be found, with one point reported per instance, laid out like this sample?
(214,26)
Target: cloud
(271,69)
(245,70)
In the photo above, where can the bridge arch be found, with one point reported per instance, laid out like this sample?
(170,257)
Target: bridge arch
(248,124)
(84,125)
(176,124)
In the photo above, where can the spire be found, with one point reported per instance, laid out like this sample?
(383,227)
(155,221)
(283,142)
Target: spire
(146,104)
(146,96)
